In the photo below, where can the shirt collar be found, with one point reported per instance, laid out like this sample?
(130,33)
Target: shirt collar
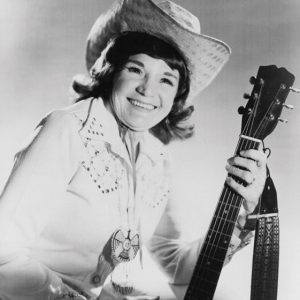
(100,125)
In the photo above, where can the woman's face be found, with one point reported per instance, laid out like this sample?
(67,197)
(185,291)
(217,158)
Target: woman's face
(143,91)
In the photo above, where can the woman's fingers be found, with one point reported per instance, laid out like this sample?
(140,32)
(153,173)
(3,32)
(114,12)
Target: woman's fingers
(247,175)
(249,160)
(255,155)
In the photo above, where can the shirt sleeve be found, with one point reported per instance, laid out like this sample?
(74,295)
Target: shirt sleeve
(40,175)
(178,258)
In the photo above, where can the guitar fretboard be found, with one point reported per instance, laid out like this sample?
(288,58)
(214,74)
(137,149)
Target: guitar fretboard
(213,252)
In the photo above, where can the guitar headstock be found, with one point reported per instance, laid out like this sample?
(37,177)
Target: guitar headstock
(262,112)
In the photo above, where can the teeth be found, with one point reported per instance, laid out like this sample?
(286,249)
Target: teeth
(141,104)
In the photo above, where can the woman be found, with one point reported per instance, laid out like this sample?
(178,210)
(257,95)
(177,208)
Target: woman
(91,190)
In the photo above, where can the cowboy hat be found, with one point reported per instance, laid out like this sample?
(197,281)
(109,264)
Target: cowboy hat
(205,55)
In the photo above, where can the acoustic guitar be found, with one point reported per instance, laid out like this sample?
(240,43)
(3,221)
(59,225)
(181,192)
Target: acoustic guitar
(259,118)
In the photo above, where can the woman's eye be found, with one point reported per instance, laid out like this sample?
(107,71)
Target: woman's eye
(167,81)
(134,70)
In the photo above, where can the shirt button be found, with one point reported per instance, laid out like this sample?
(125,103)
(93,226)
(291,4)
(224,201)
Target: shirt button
(96,279)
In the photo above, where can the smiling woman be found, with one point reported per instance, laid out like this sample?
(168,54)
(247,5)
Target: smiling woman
(91,191)
(150,61)
(143,92)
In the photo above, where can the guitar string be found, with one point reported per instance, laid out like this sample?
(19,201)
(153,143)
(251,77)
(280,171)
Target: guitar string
(260,127)
(256,101)
(255,134)
(254,112)
(262,124)
(211,236)
(226,208)
(259,130)
(259,133)
(234,202)
(232,207)
(232,214)
(255,292)
(235,197)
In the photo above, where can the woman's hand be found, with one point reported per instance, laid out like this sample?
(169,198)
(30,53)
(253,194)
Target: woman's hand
(250,167)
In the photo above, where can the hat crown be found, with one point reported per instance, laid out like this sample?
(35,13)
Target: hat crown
(180,15)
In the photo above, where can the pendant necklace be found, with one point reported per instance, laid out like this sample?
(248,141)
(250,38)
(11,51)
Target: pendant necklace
(125,242)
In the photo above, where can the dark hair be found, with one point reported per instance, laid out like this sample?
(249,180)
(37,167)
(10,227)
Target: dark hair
(114,57)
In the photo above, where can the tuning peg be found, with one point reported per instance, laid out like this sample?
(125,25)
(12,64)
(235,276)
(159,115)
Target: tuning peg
(246,96)
(252,80)
(282,120)
(241,110)
(295,90)
(288,106)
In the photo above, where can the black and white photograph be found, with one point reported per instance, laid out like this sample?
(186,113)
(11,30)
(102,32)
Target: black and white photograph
(150,149)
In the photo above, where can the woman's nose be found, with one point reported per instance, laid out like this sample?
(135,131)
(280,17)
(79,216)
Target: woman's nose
(146,87)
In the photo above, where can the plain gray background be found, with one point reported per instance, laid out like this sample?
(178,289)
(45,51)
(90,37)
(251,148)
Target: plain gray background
(42,47)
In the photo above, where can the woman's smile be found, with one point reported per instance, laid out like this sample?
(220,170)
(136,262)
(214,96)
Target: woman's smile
(144,91)
(140,104)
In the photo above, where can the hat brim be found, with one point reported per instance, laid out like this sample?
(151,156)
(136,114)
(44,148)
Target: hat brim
(205,55)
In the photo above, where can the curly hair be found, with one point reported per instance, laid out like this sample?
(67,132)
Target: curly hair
(114,57)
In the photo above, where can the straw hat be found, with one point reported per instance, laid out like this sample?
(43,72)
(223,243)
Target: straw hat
(205,55)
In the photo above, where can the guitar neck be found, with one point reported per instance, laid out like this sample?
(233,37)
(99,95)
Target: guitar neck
(213,252)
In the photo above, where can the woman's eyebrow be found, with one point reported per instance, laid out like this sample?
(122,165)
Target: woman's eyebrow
(139,63)
(171,75)
(136,62)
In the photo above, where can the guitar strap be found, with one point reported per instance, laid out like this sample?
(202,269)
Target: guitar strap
(265,263)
